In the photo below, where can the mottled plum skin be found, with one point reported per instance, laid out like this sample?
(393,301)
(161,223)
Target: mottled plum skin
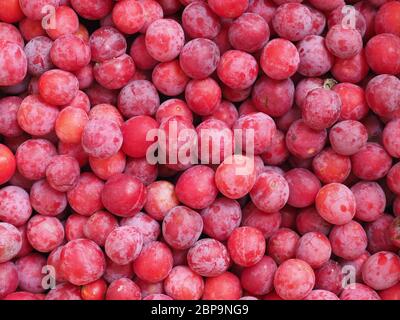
(161,197)
(258,279)
(372,162)
(292,21)
(225,112)
(277,153)
(105,168)
(338,15)
(64,291)
(123,245)
(115,73)
(37,53)
(154,263)
(321,295)
(199,58)
(336,203)
(128,16)
(143,60)
(382,95)
(270,192)
(354,104)
(172,36)
(203,96)
(246,246)
(208,258)
(330,277)
(308,220)
(52,92)
(315,59)
(82,262)
(199,21)
(261,126)
(74,226)
(249,33)
(31,28)
(26,247)
(141,169)
(314,248)
(70,53)
(351,70)
(265,222)
(221,218)
(348,137)
(378,236)
(85,197)
(303,187)
(9,126)
(173,107)
(321,108)
(237,69)
(331,167)
(137,98)
(382,270)
(356,264)
(304,142)
(29,270)
(390,138)
(37,117)
(101,138)
(147,226)
(343,42)
(196,187)
(282,245)
(370,200)
(349,241)
(9,279)
(107,43)
(63,173)
(236,176)
(13,62)
(45,233)
(33,156)
(294,280)
(99,226)
(123,289)
(70,124)
(15,207)
(184,284)
(169,78)
(280,59)
(215,141)
(10,242)
(223,287)
(106,111)
(382,52)
(115,271)
(182,227)
(148,288)
(304,87)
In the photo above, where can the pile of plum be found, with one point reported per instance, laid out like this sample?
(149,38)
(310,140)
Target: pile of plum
(304,205)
